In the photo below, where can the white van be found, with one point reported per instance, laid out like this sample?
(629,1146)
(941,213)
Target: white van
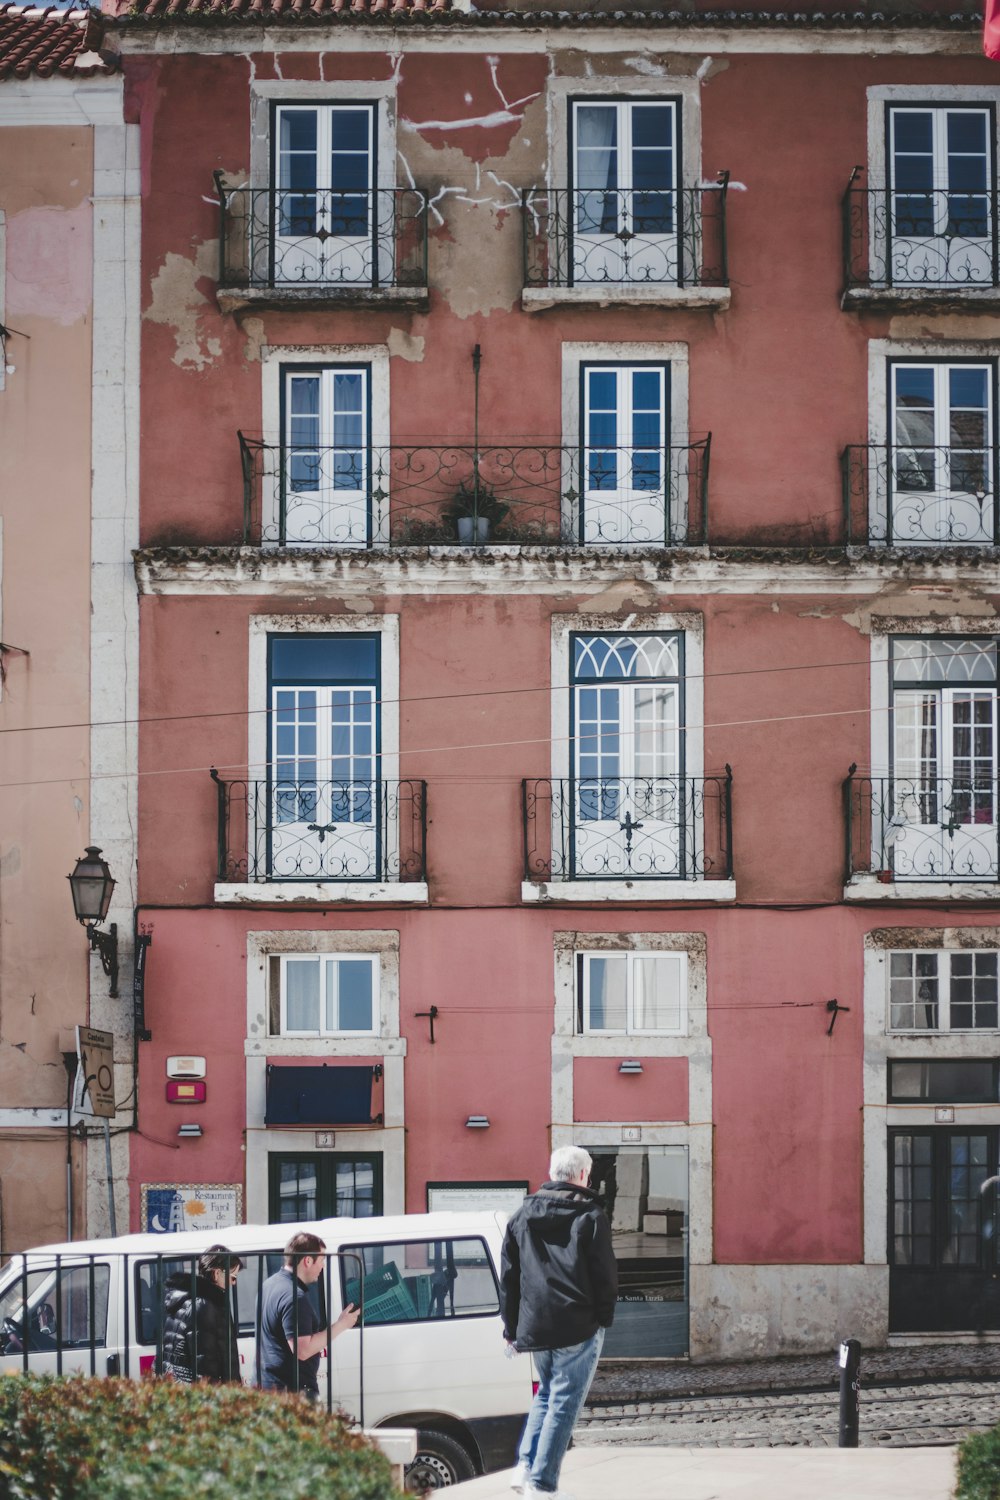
(429,1353)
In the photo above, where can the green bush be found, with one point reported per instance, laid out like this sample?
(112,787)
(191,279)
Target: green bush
(979,1467)
(86,1439)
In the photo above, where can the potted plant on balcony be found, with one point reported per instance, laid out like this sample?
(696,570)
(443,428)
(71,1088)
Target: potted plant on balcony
(475,512)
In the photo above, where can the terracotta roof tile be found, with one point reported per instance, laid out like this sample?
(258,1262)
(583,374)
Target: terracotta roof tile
(46,42)
(286,11)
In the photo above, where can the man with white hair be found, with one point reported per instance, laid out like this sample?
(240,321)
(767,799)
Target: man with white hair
(559,1282)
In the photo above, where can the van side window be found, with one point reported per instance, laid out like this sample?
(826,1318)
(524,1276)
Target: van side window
(151,1277)
(260,1266)
(48,1310)
(420,1280)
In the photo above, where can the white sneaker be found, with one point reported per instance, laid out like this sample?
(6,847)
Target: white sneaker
(531,1493)
(519,1479)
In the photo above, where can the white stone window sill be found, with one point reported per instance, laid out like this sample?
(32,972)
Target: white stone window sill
(545,892)
(624,294)
(866,888)
(321,893)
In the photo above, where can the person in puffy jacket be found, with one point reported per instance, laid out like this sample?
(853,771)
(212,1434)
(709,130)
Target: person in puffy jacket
(558,1285)
(199,1335)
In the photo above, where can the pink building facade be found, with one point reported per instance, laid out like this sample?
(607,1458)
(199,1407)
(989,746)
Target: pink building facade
(568,641)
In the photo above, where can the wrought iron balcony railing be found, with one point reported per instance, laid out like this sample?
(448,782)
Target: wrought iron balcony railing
(926,828)
(302,238)
(305,830)
(931,240)
(905,495)
(636,828)
(578,237)
(519,494)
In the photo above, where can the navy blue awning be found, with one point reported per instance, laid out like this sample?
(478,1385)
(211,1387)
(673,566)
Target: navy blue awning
(320,1096)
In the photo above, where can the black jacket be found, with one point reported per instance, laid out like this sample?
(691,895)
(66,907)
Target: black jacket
(216,1357)
(558,1277)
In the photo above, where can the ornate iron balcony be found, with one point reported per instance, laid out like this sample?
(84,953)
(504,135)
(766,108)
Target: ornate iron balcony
(334,831)
(636,828)
(907,496)
(577,237)
(314,239)
(927,828)
(397,496)
(920,240)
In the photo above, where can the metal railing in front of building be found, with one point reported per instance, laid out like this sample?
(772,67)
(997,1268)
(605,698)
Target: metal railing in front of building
(921,828)
(519,494)
(103,1313)
(607,237)
(301,239)
(905,495)
(634,828)
(311,830)
(931,240)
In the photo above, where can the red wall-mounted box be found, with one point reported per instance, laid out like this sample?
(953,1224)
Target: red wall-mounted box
(190,1091)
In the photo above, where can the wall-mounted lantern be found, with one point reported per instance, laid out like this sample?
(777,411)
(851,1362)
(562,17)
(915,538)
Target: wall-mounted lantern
(477,1122)
(92,885)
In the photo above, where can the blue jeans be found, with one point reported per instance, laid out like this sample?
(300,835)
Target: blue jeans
(564,1377)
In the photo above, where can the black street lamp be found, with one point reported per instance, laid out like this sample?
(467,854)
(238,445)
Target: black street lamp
(91,884)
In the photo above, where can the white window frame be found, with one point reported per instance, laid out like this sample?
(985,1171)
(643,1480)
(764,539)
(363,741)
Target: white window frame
(882,355)
(631,957)
(926,96)
(575,357)
(881,1045)
(696,1134)
(564,627)
(260,1046)
(275,365)
(321,893)
(346,92)
(324,963)
(944,982)
(883,628)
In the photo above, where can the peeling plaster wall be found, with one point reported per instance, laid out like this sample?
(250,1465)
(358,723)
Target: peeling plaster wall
(780,379)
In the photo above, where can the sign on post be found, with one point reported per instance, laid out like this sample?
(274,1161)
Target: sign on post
(94,1093)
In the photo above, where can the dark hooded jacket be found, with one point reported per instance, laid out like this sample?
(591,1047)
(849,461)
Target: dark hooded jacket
(214,1354)
(558,1277)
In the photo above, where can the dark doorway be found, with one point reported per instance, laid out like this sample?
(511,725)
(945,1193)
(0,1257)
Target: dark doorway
(323,1185)
(942,1230)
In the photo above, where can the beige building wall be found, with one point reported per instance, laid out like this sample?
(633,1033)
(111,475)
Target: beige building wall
(46,182)
(69,247)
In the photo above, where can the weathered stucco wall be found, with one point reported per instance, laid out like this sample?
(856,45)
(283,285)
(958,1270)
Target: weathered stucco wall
(45,425)
(781,381)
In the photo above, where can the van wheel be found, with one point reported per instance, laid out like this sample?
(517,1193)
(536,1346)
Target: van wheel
(440,1462)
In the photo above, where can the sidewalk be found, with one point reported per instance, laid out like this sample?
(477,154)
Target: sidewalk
(742,1474)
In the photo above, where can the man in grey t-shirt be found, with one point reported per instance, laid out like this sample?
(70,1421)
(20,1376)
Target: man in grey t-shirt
(291,1335)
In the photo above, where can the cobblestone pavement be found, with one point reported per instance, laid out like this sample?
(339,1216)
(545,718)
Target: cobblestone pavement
(891,1417)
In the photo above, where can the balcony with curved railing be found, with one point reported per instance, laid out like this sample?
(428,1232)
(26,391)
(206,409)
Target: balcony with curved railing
(927,829)
(519,495)
(639,828)
(281,247)
(624,245)
(902,495)
(928,247)
(336,832)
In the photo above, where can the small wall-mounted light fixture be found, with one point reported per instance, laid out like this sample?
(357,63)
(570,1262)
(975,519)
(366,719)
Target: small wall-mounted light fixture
(630,1065)
(477,1122)
(190,1132)
(91,885)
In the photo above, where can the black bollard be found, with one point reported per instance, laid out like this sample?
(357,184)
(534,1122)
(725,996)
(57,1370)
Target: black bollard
(850,1393)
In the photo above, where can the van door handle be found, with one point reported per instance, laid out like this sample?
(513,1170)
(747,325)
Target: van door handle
(114,1364)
